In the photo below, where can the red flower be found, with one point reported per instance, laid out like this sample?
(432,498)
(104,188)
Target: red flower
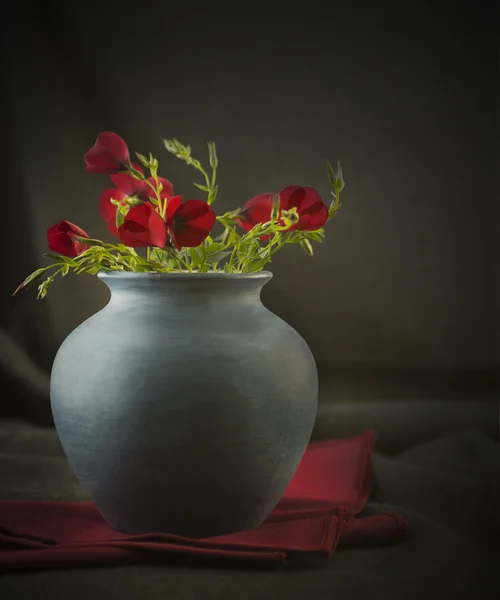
(257,210)
(143,227)
(313,212)
(189,223)
(61,239)
(127,186)
(108,155)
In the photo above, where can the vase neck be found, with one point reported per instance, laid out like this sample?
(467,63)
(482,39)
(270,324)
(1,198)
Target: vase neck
(186,289)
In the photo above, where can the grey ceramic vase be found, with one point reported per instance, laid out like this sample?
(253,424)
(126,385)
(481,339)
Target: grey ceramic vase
(184,405)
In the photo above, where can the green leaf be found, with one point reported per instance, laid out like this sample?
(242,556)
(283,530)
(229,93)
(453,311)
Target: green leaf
(89,241)
(202,187)
(222,236)
(130,201)
(135,173)
(233,237)
(265,252)
(143,160)
(213,195)
(339,185)
(195,257)
(257,230)
(170,146)
(214,248)
(336,178)
(218,256)
(258,265)
(120,218)
(43,288)
(306,246)
(84,266)
(59,258)
(153,164)
(295,237)
(333,210)
(275,211)
(317,236)
(331,175)
(31,279)
(178,149)
(212,155)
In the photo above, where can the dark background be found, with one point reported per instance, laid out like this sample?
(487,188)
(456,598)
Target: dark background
(404,94)
(400,305)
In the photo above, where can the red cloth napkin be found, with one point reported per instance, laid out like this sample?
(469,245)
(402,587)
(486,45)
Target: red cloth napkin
(314,516)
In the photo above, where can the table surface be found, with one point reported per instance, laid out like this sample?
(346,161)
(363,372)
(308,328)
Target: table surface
(447,487)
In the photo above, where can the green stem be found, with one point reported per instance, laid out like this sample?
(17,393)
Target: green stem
(225,235)
(135,173)
(334,206)
(187,264)
(180,261)
(205,174)
(233,254)
(204,258)
(257,265)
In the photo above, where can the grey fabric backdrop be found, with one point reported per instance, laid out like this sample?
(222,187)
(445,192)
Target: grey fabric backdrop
(403,94)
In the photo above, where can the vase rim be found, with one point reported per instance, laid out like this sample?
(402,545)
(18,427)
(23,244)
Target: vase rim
(184,275)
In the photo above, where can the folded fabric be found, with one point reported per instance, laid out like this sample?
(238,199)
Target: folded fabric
(314,516)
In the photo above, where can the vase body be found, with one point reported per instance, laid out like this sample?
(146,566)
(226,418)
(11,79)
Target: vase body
(184,405)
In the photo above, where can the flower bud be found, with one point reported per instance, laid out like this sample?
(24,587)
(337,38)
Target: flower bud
(275,211)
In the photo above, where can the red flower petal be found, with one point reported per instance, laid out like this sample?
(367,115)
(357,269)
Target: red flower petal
(196,210)
(318,216)
(62,244)
(109,154)
(143,227)
(191,223)
(128,184)
(66,227)
(112,228)
(172,205)
(258,209)
(313,212)
(190,238)
(291,196)
(99,164)
(61,239)
(301,198)
(114,144)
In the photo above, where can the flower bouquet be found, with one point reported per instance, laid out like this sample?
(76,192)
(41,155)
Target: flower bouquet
(142,211)
(184,405)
